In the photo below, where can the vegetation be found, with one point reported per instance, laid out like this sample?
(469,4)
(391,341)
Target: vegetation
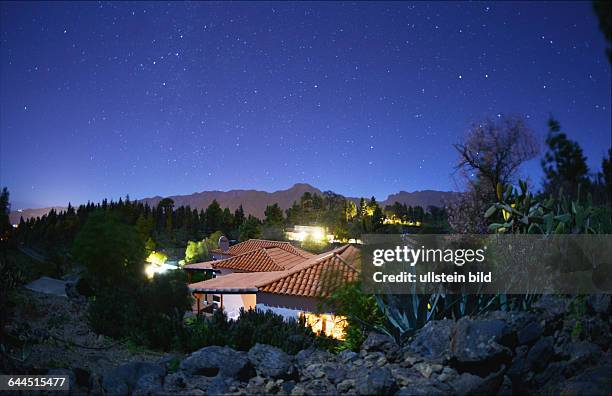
(254,327)
(361,310)
(110,250)
(564,164)
(149,314)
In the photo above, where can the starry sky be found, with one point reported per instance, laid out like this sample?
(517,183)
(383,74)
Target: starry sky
(107,99)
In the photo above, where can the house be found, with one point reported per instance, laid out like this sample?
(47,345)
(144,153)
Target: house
(289,282)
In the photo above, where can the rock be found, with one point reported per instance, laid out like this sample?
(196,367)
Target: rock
(378,342)
(219,386)
(433,341)
(425,390)
(540,354)
(317,387)
(475,345)
(332,371)
(470,384)
(593,381)
(124,379)
(600,303)
(215,360)
(271,362)
(427,369)
(530,333)
(551,307)
(149,384)
(581,354)
(347,356)
(346,386)
(377,381)
(312,355)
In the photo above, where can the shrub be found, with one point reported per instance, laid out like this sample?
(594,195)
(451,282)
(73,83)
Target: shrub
(150,314)
(254,327)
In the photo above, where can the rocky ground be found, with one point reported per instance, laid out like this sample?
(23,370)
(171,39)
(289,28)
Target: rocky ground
(547,351)
(56,336)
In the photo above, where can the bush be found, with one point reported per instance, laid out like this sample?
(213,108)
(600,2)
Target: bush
(150,314)
(254,327)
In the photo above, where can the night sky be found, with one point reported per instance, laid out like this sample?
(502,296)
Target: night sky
(107,99)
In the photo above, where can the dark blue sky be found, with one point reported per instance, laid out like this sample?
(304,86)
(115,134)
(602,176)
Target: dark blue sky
(108,99)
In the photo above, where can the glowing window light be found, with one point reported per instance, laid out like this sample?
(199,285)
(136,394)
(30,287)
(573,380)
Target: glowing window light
(331,325)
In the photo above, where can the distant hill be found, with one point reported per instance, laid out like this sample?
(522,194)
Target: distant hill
(423,198)
(254,202)
(27,213)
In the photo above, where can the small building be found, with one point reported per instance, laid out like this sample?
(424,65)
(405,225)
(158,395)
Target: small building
(281,280)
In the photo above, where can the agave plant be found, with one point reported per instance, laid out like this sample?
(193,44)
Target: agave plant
(523,213)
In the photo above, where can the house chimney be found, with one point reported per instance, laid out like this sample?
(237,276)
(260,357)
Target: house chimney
(223,243)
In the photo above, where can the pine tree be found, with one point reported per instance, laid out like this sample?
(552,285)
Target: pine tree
(564,164)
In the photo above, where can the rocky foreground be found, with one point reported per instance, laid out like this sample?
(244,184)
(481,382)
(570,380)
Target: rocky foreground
(547,351)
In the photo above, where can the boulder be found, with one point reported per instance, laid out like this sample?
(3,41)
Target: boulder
(470,384)
(271,362)
(433,340)
(215,360)
(315,387)
(540,354)
(376,381)
(124,379)
(378,342)
(475,345)
(149,384)
(593,381)
(347,356)
(530,333)
(309,356)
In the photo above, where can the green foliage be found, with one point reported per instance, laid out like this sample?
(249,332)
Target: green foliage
(196,252)
(148,314)
(564,164)
(361,310)
(111,251)
(250,228)
(522,212)
(255,327)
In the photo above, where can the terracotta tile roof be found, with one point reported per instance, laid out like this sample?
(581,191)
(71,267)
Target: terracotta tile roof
(254,244)
(260,260)
(199,266)
(319,276)
(237,282)
(315,277)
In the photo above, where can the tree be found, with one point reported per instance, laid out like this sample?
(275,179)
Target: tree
(238,216)
(5,209)
(491,153)
(494,150)
(603,9)
(111,251)
(563,163)
(196,252)
(250,228)
(274,215)
(166,205)
(213,216)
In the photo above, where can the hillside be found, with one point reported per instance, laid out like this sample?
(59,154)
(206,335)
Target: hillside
(254,201)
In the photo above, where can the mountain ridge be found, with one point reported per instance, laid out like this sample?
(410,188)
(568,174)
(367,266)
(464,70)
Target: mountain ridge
(255,201)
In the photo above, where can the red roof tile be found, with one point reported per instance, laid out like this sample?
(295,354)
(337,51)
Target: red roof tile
(317,277)
(254,244)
